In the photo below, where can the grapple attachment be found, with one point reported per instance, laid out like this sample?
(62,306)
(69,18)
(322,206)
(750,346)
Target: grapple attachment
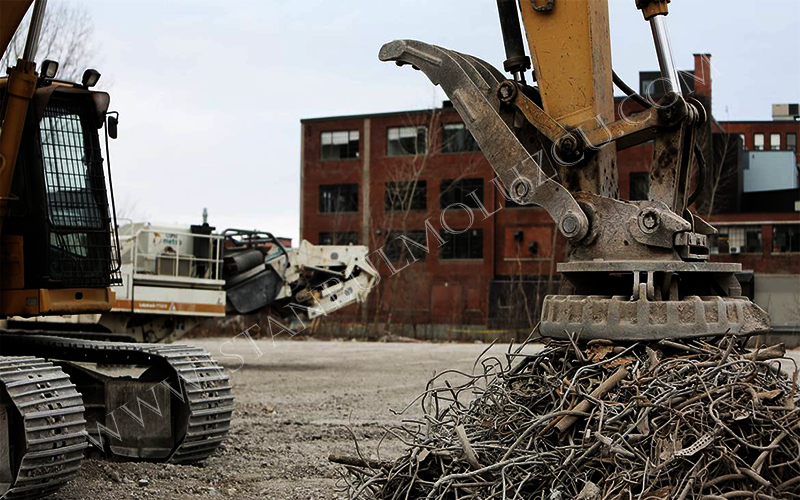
(636,270)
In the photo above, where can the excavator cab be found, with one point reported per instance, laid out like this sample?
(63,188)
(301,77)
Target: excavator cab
(59,242)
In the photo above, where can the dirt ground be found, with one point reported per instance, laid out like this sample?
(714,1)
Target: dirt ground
(293,404)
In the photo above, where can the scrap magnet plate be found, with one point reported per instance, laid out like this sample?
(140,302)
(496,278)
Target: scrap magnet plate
(619,318)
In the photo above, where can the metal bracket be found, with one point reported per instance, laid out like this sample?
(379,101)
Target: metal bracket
(548,6)
(692,246)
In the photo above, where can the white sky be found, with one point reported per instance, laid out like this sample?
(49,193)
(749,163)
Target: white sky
(211,92)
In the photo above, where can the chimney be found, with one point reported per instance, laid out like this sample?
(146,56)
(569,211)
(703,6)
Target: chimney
(702,74)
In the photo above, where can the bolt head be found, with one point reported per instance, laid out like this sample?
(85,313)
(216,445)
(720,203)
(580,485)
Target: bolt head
(570,224)
(507,91)
(568,144)
(649,220)
(520,188)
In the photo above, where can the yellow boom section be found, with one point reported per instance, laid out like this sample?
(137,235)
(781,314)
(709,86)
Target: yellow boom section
(11,14)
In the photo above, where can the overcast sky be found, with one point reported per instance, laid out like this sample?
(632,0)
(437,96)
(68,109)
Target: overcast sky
(211,92)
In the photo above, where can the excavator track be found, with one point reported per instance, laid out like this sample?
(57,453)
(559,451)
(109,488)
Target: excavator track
(204,392)
(47,431)
(209,398)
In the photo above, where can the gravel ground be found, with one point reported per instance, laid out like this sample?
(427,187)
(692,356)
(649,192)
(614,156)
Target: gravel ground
(292,405)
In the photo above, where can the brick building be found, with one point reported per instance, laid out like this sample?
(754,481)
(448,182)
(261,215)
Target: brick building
(367,179)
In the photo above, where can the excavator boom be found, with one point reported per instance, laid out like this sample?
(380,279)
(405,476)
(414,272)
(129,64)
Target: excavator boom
(12,12)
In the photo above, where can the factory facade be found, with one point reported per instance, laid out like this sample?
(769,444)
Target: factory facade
(484,264)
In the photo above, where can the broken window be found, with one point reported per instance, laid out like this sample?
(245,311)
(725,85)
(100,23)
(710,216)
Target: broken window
(639,186)
(398,250)
(337,198)
(736,239)
(458,191)
(402,196)
(786,238)
(456,138)
(406,141)
(338,238)
(340,145)
(466,245)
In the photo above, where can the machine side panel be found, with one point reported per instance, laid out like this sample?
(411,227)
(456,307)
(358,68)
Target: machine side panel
(174,302)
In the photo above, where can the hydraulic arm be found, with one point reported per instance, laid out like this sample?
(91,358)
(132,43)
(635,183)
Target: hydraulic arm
(636,269)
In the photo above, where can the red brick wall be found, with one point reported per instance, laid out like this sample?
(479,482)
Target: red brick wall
(317,172)
(750,128)
(456,291)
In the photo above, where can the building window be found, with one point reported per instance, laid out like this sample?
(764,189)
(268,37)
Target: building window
(649,88)
(337,198)
(786,238)
(458,191)
(398,250)
(639,186)
(338,238)
(775,142)
(466,245)
(406,141)
(403,196)
(340,145)
(744,141)
(736,239)
(456,138)
(791,142)
(758,142)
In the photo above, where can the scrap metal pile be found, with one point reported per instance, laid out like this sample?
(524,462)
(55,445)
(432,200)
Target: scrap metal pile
(662,420)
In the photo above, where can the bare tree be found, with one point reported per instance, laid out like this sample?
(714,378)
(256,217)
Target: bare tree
(128,210)
(66,37)
(722,173)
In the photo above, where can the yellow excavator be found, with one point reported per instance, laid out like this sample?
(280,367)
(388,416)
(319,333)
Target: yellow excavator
(59,255)
(636,270)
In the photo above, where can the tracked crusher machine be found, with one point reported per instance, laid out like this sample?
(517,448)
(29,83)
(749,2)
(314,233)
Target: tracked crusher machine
(636,270)
(60,256)
(177,278)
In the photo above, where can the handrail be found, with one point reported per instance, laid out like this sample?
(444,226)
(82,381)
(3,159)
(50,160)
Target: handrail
(214,260)
(267,237)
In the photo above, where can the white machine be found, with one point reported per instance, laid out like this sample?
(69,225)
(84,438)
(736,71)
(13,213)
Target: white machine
(174,277)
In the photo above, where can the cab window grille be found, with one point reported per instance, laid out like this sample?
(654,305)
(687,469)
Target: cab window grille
(81,251)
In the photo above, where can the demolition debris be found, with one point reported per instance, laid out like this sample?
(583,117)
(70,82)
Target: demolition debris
(661,420)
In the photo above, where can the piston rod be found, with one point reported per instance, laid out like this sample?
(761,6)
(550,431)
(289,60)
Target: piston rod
(517,62)
(34,30)
(672,83)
